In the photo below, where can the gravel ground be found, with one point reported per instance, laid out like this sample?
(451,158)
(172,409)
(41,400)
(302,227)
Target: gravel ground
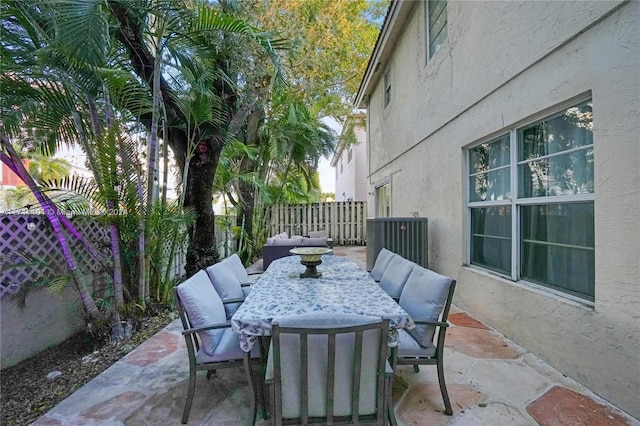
(27,394)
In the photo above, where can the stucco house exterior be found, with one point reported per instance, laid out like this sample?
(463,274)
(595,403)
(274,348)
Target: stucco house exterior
(350,160)
(513,127)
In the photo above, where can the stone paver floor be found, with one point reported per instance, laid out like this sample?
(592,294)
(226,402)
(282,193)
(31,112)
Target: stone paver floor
(491,381)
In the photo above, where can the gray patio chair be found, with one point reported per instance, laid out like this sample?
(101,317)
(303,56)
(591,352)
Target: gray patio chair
(224,277)
(427,298)
(211,344)
(240,272)
(395,275)
(382,261)
(330,368)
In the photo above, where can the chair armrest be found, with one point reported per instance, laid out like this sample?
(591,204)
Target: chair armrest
(206,327)
(436,323)
(234,300)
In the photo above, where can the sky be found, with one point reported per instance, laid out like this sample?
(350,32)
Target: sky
(328,173)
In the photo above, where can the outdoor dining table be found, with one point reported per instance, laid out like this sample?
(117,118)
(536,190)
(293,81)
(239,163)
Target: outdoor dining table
(344,287)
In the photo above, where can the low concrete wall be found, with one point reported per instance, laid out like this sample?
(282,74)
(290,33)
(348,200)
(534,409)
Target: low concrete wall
(47,320)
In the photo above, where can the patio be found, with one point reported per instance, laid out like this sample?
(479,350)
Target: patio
(491,381)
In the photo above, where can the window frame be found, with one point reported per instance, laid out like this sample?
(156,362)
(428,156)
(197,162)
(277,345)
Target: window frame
(430,50)
(386,93)
(383,184)
(517,201)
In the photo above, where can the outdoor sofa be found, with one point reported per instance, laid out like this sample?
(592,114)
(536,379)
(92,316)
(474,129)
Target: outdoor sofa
(279,245)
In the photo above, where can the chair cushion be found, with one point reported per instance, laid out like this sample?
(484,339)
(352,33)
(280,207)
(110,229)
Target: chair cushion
(203,307)
(228,349)
(409,347)
(423,297)
(382,261)
(318,362)
(395,275)
(238,268)
(227,285)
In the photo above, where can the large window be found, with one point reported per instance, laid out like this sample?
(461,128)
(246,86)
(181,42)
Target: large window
(436,25)
(531,203)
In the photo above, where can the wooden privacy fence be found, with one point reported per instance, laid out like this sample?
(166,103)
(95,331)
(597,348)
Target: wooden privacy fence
(344,221)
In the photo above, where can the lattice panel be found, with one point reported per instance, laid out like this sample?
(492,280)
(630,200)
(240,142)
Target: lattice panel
(28,244)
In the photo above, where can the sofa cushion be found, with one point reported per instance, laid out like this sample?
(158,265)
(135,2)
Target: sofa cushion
(281,236)
(314,242)
(318,234)
(288,242)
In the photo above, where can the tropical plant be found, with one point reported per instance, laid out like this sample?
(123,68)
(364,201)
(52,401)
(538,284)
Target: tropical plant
(330,43)
(73,67)
(9,156)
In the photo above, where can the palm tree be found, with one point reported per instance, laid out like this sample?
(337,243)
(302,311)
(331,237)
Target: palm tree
(9,156)
(44,167)
(201,73)
(82,54)
(277,162)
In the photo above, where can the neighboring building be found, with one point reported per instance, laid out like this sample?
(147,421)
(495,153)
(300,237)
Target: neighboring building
(513,127)
(350,161)
(9,181)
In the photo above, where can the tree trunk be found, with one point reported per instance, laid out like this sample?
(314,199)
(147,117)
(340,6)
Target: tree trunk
(199,195)
(210,138)
(247,191)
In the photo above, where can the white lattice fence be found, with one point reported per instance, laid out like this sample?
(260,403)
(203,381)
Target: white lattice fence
(29,249)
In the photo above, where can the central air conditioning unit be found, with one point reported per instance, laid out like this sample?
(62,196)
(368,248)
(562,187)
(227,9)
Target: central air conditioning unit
(406,236)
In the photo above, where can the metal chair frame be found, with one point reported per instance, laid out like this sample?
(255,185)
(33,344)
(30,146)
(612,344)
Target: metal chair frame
(193,345)
(384,411)
(438,358)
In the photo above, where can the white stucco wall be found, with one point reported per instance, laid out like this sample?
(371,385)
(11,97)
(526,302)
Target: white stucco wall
(504,63)
(47,320)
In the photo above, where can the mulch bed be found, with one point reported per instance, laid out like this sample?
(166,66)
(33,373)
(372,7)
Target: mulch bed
(27,393)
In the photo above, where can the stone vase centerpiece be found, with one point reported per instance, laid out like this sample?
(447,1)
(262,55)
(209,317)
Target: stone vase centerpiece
(310,257)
